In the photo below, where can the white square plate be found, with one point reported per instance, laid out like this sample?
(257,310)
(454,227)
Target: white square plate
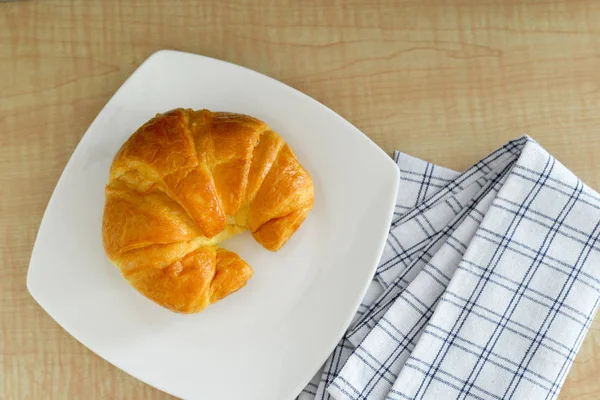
(267,340)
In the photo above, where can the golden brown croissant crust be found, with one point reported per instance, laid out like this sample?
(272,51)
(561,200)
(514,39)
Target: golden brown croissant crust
(187,180)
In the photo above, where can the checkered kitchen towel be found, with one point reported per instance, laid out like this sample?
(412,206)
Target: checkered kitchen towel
(487,285)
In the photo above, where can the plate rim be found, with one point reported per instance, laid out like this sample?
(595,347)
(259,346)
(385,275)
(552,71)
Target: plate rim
(390,202)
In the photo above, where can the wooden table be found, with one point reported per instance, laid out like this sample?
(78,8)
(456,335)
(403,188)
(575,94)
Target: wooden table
(448,81)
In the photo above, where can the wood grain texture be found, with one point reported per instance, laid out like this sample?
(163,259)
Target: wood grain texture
(447,81)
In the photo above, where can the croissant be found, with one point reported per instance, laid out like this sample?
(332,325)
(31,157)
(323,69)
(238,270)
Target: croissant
(184,182)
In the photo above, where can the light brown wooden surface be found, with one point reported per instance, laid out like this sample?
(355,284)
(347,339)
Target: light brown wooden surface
(448,81)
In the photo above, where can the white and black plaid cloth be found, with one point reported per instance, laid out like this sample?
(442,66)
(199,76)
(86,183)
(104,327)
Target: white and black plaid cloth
(486,288)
